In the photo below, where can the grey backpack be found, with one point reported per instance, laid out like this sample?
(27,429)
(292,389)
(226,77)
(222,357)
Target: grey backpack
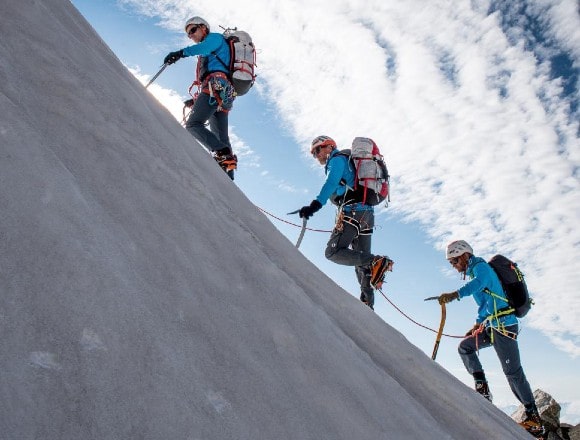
(371,183)
(242,62)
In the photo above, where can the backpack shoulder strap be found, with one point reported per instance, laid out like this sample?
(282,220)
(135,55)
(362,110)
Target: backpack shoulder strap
(214,53)
(345,152)
(486,290)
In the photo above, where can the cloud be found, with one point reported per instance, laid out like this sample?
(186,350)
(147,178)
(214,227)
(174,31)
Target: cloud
(480,139)
(170,99)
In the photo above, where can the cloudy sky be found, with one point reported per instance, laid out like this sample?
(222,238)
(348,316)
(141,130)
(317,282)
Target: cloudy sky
(474,105)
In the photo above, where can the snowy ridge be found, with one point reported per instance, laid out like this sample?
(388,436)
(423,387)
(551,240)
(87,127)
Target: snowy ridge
(144,296)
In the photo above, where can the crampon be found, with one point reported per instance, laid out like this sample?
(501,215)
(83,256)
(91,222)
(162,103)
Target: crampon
(379,266)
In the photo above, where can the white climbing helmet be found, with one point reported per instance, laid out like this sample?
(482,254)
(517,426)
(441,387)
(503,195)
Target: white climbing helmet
(196,21)
(322,141)
(458,248)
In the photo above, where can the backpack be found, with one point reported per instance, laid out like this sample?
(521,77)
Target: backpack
(513,283)
(242,60)
(371,180)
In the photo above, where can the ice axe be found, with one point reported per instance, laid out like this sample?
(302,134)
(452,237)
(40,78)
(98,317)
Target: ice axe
(303,230)
(156,75)
(441,325)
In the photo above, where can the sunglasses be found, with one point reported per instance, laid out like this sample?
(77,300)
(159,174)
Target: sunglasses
(316,151)
(453,261)
(193,30)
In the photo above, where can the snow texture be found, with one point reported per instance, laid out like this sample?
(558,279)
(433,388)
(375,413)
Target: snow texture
(143,296)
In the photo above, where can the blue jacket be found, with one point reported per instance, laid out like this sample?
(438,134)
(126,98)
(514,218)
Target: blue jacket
(339,174)
(212,42)
(482,277)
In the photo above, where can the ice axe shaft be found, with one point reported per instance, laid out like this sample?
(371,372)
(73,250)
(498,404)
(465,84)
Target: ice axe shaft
(302,231)
(441,325)
(156,75)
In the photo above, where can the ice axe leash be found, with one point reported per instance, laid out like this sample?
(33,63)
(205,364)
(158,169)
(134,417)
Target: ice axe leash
(303,230)
(441,325)
(156,75)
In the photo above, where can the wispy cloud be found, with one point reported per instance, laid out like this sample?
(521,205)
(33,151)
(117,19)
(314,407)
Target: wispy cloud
(479,136)
(170,99)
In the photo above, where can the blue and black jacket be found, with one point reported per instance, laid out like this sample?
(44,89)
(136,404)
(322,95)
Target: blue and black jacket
(483,281)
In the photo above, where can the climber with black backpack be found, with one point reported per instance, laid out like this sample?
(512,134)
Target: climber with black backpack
(496,323)
(350,241)
(216,93)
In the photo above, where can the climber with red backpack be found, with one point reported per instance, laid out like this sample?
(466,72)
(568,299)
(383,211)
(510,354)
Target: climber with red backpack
(216,93)
(355,197)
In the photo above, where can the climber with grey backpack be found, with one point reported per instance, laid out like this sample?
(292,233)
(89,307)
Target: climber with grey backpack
(371,180)
(225,70)
(355,183)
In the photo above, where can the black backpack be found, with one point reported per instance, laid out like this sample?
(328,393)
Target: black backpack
(513,283)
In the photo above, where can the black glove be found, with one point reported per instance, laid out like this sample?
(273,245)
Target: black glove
(308,211)
(189,103)
(172,57)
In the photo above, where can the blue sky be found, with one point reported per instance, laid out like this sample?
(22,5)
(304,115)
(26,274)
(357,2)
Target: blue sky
(476,111)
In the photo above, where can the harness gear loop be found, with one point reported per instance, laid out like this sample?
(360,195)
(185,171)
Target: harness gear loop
(342,219)
(353,222)
(339,226)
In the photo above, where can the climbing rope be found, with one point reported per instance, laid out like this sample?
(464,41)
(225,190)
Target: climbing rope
(290,223)
(380,290)
(415,322)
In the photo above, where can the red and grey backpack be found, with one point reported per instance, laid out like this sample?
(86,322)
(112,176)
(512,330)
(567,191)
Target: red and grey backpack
(371,181)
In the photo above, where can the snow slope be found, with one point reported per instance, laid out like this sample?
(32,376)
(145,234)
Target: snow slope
(142,294)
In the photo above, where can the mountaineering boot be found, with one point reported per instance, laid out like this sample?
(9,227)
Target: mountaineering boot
(379,266)
(482,388)
(533,424)
(227,161)
(368,298)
